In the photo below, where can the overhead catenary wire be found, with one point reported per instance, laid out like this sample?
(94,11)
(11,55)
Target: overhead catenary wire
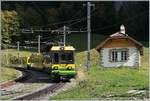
(63,22)
(103,28)
(116,24)
(82,19)
(56,23)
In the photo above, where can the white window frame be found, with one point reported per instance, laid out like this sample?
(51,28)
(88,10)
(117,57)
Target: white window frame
(119,55)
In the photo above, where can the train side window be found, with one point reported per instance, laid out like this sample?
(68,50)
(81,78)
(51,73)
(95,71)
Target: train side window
(47,59)
(56,57)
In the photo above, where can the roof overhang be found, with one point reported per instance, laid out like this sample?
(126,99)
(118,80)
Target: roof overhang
(138,44)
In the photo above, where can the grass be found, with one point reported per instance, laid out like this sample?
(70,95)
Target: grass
(10,53)
(8,74)
(145,57)
(100,83)
(22,53)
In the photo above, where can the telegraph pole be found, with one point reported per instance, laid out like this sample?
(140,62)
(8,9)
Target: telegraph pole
(64,35)
(39,43)
(0,42)
(0,48)
(18,45)
(18,49)
(89,33)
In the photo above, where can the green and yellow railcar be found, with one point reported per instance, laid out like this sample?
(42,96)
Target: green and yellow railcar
(63,61)
(59,61)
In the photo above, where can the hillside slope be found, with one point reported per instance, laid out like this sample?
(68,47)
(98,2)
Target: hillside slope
(79,40)
(101,83)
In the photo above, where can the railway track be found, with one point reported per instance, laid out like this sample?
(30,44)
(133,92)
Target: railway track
(41,92)
(31,77)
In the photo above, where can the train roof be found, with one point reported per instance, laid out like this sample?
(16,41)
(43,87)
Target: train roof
(58,48)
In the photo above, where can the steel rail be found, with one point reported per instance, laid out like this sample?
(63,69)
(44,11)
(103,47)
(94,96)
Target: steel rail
(37,94)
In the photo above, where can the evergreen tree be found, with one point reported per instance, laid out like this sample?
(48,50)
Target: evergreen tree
(10,27)
(5,34)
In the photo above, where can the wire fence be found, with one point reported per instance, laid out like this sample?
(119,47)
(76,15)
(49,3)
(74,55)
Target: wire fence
(9,58)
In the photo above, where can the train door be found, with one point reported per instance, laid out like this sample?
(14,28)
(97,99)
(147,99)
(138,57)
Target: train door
(55,58)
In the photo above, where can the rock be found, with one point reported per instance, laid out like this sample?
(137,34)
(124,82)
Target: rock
(139,92)
(132,91)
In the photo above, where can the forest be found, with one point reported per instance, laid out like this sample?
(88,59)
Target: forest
(106,18)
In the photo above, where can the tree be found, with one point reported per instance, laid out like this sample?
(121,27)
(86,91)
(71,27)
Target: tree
(135,17)
(5,35)
(10,27)
(103,18)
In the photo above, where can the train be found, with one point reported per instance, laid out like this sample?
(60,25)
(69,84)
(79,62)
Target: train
(58,61)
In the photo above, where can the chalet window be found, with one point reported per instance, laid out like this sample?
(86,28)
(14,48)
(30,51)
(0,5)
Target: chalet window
(124,55)
(118,55)
(114,56)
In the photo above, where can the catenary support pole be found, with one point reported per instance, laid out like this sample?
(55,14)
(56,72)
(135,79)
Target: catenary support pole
(0,42)
(89,33)
(0,48)
(18,48)
(39,47)
(64,35)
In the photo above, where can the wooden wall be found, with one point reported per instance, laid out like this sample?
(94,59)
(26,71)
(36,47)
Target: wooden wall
(119,43)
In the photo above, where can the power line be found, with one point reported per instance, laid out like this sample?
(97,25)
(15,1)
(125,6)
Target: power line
(84,18)
(59,31)
(77,22)
(116,24)
(56,23)
(63,22)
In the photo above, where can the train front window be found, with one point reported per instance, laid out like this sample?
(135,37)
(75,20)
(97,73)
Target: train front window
(56,58)
(66,57)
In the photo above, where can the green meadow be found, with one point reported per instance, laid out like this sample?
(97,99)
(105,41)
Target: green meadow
(97,83)
(111,83)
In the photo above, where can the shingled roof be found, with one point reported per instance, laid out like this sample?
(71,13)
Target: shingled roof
(119,35)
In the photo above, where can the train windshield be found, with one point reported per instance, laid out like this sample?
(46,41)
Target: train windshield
(66,57)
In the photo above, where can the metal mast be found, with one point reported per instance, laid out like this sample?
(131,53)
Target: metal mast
(0,48)
(89,33)
(64,35)
(18,45)
(0,42)
(39,44)
(18,49)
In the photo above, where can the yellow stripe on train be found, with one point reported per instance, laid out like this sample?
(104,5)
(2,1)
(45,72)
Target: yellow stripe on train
(63,66)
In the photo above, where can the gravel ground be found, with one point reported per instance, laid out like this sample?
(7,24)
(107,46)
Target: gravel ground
(38,80)
(20,89)
(67,86)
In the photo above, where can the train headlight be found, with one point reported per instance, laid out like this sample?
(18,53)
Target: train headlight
(61,48)
(69,67)
(55,67)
